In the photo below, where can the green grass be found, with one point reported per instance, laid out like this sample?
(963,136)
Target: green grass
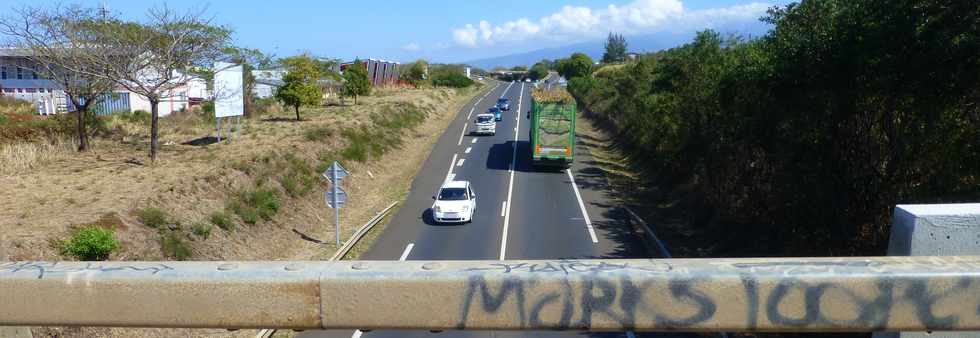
(202,230)
(173,247)
(222,220)
(91,243)
(384,135)
(256,204)
(153,217)
(317,133)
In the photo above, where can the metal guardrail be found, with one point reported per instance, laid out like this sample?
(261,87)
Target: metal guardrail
(780,294)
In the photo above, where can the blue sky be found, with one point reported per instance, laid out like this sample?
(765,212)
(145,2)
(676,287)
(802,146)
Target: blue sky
(444,31)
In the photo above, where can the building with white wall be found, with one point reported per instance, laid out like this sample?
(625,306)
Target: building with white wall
(22,79)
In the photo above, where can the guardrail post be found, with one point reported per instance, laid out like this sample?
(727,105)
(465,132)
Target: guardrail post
(934,230)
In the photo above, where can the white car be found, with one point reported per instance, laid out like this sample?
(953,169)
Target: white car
(455,203)
(485,124)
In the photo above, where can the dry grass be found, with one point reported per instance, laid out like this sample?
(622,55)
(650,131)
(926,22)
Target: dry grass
(20,157)
(192,180)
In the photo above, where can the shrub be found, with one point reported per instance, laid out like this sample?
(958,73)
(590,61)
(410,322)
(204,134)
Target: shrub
(451,79)
(255,204)
(173,247)
(3,120)
(317,133)
(202,230)
(153,217)
(222,220)
(91,243)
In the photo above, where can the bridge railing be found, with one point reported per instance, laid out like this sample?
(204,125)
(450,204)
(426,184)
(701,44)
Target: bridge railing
(779,294)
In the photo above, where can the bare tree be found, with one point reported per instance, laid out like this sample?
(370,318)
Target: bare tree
(62,43)
(155,58)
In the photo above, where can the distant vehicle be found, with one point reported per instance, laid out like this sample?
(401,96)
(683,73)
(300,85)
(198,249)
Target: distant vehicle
(485,124)
(552,131)
(503,104)
(456,202)
(527,80)
(496,113)
(480,78)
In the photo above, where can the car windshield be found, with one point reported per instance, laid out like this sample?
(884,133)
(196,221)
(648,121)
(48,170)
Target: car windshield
(502,101)
(484,119)
(494,110)
(452,194)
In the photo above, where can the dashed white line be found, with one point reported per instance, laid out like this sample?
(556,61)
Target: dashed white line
(451,166)
(503,208)
(357,334)
(405,253)
(462,133)
(588,223)
(468,150)
(460,163)
(510,185)
(474,141)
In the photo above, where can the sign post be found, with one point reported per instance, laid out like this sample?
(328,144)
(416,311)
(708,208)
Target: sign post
(335,197)
(229,98)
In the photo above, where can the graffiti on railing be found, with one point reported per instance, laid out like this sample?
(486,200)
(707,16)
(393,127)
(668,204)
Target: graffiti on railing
(43,269)
(685,298)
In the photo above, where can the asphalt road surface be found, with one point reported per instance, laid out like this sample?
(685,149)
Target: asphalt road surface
(520,213)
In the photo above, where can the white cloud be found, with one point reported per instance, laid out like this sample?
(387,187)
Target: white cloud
(573,23)
(412,47)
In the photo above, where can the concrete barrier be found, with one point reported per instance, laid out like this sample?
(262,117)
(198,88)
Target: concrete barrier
(934,230)
(698,295)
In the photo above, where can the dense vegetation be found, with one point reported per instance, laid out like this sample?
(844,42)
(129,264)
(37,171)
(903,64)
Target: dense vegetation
(802,141)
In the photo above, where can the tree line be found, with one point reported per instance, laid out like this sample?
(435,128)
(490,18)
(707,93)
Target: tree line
(802,141)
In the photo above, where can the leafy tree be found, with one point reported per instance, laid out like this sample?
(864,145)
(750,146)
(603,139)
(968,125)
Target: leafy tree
(416,73)
(155,57)
(519,68)
(538,71)
(803,140)
(300,87)
(356,82)
(615,49)
(62,42)
(576,65)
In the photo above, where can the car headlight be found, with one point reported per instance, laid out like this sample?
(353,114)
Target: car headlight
(466,208)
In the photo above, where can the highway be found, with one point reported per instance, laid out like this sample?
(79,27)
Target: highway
(520,214)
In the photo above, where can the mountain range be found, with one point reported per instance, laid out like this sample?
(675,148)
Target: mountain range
(636,44)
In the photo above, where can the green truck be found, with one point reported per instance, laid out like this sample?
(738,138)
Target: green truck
(552,131)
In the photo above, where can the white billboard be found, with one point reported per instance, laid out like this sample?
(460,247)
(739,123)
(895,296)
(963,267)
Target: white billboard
(229,84)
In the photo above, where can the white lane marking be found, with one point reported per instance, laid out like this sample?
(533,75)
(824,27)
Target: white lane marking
(408,249)
(462,133)
(503,208)
(468,150)
(508,88)
(474,141)
(481,99)
(588,222)
(357,334)
(451,166)
(510,185)
(460,163)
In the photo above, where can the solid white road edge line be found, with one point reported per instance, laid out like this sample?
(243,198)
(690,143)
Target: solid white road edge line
(588,222)
(405,253)
(510,186)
